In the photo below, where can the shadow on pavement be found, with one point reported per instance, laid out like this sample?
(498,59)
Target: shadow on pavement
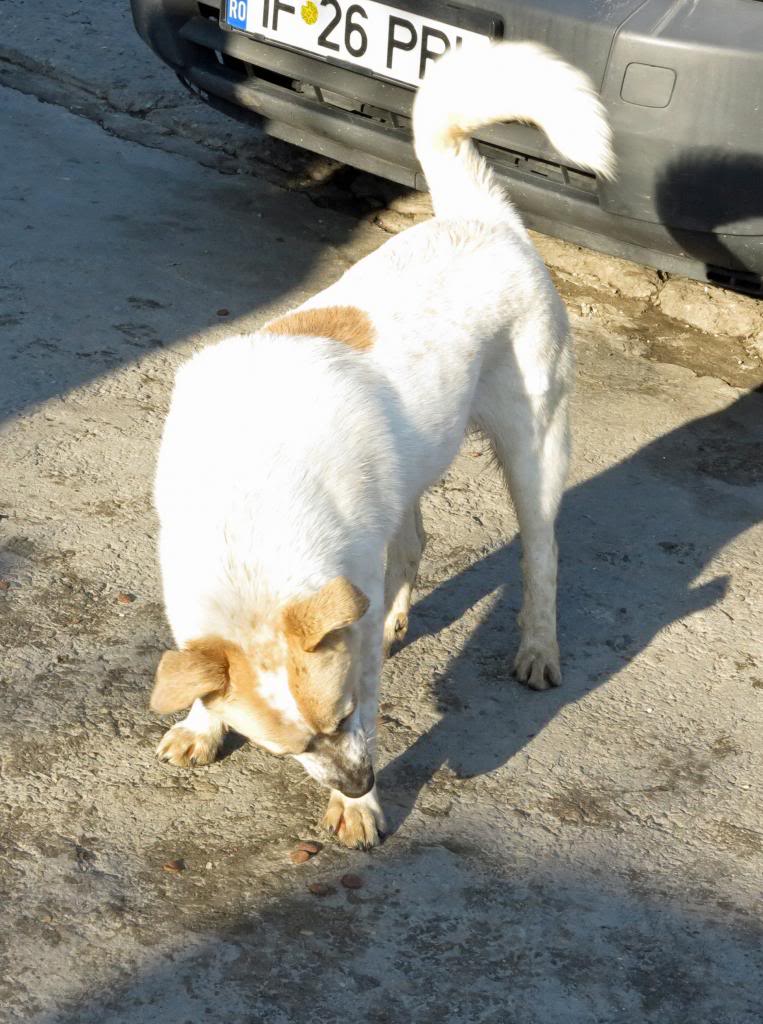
(622,581)
(432,937)
(111,251)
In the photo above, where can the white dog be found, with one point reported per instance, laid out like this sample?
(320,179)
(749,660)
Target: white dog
(293,458)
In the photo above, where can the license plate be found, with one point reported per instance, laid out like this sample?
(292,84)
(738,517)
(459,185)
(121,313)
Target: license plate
(379,38)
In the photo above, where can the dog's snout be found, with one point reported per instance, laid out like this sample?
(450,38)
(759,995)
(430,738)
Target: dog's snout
(340,761)
(358,785)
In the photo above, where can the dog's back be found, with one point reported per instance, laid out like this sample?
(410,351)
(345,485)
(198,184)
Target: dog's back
(271,446)
(448,296)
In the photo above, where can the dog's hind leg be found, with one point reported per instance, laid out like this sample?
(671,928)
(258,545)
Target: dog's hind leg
(530,438)
(403,557)
(195,740)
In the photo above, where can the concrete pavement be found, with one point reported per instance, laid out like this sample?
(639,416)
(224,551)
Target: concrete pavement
(586,854)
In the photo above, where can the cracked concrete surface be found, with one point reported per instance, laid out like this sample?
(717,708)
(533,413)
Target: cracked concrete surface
(587,854)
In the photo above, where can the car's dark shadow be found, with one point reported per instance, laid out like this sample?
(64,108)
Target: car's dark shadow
(633,540)
(702,195)
(112,251)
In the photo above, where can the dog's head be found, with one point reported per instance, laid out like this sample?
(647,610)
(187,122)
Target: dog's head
(290,688)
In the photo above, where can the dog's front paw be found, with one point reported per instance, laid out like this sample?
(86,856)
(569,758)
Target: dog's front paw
(537,664)
(359,823)
(184,747)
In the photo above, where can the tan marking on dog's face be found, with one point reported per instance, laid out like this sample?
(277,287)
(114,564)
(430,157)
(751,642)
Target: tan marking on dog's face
(323,654)
(233,683)
(251,702)
(346,324)
(290,687)
(200,669)
(337,604)
(322,682)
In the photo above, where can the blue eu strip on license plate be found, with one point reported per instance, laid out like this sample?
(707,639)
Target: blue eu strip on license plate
(237,13)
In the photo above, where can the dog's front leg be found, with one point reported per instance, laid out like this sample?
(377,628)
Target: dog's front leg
(194,741)
(359,823)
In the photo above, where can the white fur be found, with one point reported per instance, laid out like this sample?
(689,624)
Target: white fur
(287,461)
(198,718)
(506,82)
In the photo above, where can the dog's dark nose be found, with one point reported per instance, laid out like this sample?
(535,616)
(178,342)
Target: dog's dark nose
(357,787)
(370,782)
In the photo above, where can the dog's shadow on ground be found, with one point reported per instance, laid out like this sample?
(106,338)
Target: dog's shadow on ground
(633,540)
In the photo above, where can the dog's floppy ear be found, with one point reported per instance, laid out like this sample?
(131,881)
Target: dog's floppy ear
(337,604)
(199,669)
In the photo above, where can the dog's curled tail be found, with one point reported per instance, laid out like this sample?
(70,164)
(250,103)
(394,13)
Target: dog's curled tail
(466,90)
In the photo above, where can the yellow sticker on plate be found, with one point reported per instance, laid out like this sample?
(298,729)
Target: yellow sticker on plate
(309,13)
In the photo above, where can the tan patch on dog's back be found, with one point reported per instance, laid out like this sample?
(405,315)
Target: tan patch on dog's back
(346,324)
